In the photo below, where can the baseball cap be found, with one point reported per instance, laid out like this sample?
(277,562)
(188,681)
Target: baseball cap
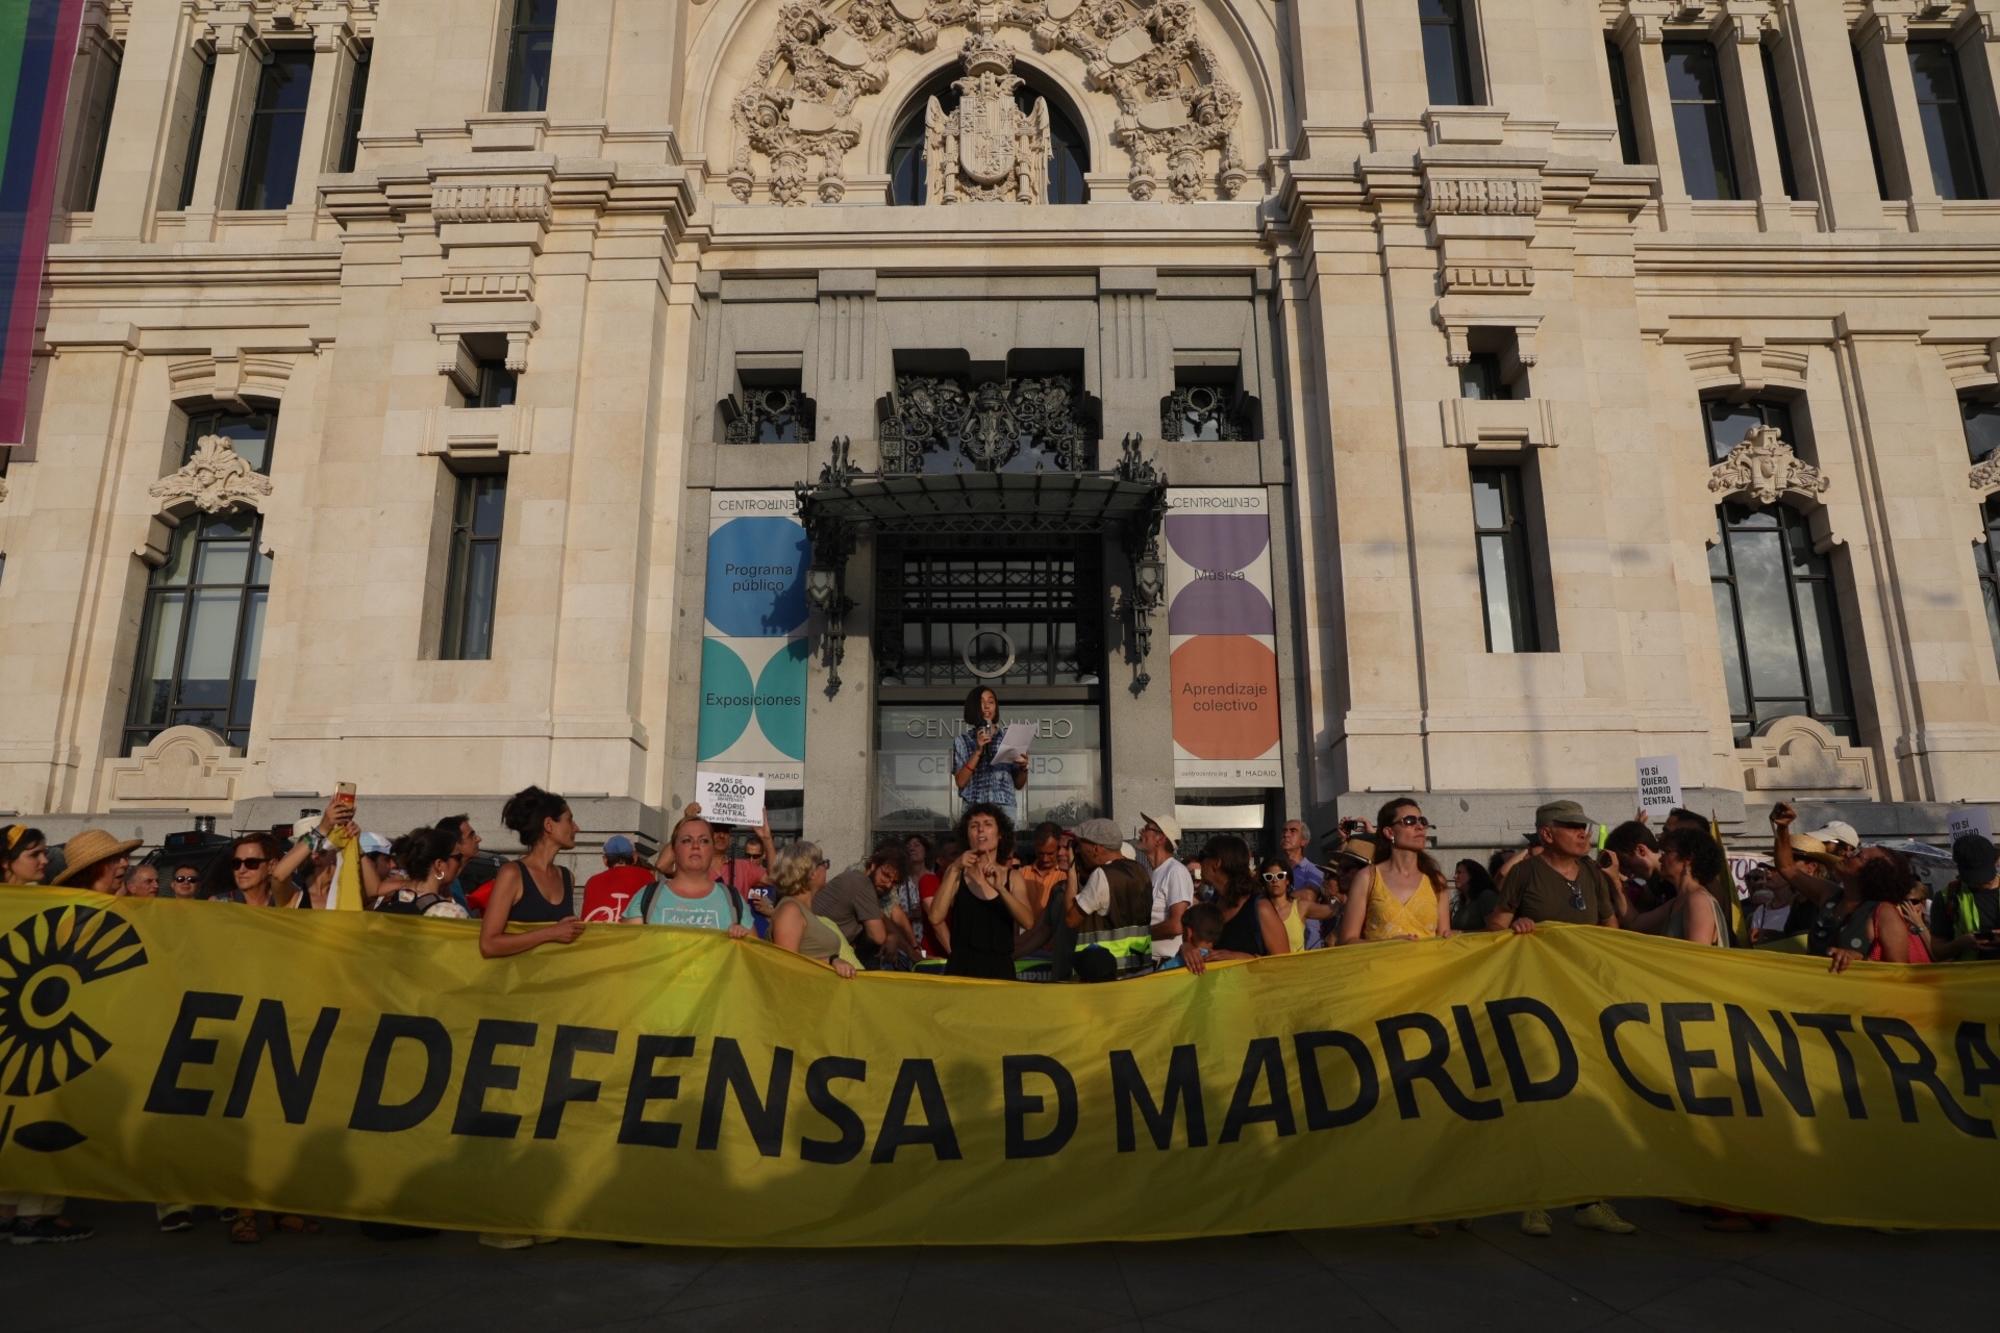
(1166,824)
(1976,858)
(1560,812)
(618,845)
(1101,832)
(374,844)
(1838,831)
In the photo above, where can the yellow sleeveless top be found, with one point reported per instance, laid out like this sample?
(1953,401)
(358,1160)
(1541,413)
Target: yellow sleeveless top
(1295,925)
(1388,918)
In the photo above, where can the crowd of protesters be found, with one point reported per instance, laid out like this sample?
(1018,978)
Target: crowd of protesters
(1082,904)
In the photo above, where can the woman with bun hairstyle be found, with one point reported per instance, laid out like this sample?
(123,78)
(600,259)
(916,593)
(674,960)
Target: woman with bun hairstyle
(533,890)
(1403,895)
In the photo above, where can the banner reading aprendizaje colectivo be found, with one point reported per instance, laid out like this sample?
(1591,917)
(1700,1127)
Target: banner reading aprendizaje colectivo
(674,1086)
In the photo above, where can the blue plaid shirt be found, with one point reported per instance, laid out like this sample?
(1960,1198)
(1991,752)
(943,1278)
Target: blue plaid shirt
(991,783)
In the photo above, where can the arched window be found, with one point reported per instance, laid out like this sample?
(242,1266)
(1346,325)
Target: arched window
(1069,156)
(1777,609)
(203,623)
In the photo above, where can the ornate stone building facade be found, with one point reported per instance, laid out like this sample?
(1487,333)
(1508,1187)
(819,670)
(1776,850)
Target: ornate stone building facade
(1281,404)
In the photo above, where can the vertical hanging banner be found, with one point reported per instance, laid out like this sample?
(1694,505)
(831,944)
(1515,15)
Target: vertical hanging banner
(754,648)
(1223,631)
(37,51)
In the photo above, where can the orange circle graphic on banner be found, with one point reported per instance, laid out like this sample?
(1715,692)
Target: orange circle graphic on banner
(1225,697)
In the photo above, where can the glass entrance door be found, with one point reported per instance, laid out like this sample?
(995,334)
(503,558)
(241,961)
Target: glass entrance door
(1024,618)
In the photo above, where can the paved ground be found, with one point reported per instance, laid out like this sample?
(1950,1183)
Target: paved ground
(1675,1276)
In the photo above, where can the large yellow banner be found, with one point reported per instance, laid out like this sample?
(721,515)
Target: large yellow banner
(674,1086)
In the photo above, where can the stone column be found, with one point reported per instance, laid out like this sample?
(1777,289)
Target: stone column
(1739,40)
(1885,61)
(155,42)
(847,374)
(1639,35)
(1842,162)
(580,64)
(1392,49)
(240,55)
(1324,44)
(336,56)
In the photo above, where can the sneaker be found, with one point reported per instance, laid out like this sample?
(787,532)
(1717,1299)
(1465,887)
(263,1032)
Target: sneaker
(1425,1231)
(48,1231)
(1601,1217)
(180,1219)
(495,1240)
(1535,1222)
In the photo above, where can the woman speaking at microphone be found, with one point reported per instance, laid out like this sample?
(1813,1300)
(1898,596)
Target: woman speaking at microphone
(980,779)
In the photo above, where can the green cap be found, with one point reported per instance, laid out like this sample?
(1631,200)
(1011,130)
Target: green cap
(1560,812)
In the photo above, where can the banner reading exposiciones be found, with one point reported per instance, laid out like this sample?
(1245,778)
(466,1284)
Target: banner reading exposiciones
(665,1085)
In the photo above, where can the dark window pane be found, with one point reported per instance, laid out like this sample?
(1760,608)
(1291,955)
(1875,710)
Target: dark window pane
(1700,122)
(1621,103)
(1732,651)
(247,660)
(1765,597)
(1497,591)
(1788,177)
(1982,427)
(489,506)
(1826,667)
(350,134)
(211,649)
(530,48)
(97,127)
(195,132)
(157,653)
(276,128)
(1947,124)
(1447,64)
(472,580)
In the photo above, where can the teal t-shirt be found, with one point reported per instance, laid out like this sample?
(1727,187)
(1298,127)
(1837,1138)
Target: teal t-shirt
(717,911)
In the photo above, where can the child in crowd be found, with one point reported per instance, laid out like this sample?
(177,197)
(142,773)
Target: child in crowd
(1202,926)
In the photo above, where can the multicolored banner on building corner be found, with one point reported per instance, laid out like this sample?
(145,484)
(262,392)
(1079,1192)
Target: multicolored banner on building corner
(37,51)
(754,650)
(1223,630)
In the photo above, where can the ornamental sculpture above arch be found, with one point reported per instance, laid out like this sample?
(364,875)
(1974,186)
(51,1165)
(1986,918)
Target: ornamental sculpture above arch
(214,479)
(1177,114)
(1763,470)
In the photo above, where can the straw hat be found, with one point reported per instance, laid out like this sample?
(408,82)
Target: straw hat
(92,847)
(1808,848)
(1358,850)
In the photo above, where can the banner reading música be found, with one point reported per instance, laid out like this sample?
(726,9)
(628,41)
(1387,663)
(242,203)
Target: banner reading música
(754,649)
(1223,631)
(677,1086)
(37,52)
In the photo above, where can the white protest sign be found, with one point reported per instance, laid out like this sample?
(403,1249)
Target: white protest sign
(1966,819)
(730,798)
(1659,784)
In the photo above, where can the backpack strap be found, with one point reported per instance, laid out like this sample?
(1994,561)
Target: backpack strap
(646,896)
(737,907)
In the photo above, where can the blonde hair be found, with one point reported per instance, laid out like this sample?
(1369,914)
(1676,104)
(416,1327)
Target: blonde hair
(791,870)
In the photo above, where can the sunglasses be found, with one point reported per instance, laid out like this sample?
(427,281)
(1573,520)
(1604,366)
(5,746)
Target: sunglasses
(248,862)
(1566,824)
(822,864)
(1414,821)
(187,879)
(1273,876)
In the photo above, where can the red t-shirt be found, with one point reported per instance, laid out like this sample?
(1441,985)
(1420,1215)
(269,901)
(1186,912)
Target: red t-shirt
(606,893)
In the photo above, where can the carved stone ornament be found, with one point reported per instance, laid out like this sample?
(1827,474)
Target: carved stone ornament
(1763,469)
(1174,106)
(1984,477)
(987,150)
(215,479)
(941,424)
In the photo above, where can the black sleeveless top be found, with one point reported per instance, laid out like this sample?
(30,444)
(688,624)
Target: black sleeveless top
(982,938)
(1244,932)
(533,907)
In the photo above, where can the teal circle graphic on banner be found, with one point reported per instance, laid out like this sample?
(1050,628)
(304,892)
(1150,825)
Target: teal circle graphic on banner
(781,699)
(727,699)
(757,578)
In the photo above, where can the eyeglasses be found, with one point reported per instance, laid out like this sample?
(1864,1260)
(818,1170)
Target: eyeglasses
(822,864)
(1414,821)
(1273,876)
(248,862)
(187,879)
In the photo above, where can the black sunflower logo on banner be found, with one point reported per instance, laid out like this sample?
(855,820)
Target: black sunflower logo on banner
(45,962)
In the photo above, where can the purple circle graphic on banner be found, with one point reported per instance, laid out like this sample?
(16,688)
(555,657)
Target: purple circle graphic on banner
(1218,541)
(1220,606)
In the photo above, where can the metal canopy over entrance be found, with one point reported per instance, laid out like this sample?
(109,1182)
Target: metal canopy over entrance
(1128,502)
